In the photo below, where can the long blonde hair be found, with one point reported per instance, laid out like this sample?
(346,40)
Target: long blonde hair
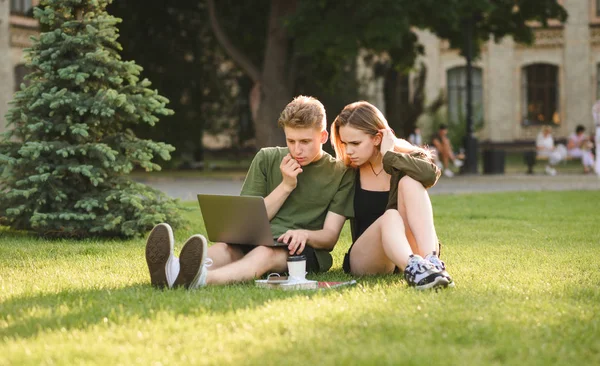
(367,118)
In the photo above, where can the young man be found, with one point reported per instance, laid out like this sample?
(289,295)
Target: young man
(308,195)
(444,150)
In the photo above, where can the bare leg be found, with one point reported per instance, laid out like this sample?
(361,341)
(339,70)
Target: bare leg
(256,263)
(416,211)
(447,147)
(381,247)
(444,158)
(223,254)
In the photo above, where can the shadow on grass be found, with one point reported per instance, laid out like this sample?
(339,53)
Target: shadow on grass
(28,315)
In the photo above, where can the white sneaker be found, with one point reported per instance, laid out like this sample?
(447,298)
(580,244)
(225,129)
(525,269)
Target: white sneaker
(422,274)
(193,263)
(448,173)
(440,266)
(458,163)
(159,255)
(550,170)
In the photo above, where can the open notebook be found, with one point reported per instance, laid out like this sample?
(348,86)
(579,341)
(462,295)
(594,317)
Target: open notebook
(303,284)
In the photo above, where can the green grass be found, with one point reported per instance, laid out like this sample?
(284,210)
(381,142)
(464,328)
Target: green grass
(526,267)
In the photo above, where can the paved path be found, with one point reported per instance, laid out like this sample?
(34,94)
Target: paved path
(187,188)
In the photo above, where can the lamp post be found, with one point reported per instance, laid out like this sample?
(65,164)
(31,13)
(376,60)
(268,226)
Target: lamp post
(470,142)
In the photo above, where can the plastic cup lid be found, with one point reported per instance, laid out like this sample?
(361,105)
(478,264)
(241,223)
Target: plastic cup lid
(296,258)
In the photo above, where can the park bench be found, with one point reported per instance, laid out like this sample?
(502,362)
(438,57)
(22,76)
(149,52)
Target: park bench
(527,147)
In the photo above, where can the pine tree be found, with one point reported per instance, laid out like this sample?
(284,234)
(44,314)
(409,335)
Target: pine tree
(64,161)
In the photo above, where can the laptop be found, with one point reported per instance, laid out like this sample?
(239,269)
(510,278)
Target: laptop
(239,220)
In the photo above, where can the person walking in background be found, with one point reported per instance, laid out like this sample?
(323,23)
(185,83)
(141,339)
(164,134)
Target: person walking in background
(544,145)
(393,224)
(442,144)
(415,138)
(579,147)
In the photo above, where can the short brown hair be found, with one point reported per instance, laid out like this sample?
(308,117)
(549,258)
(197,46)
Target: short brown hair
(303,112)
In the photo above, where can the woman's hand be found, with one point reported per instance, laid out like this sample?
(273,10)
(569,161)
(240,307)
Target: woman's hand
(388,140)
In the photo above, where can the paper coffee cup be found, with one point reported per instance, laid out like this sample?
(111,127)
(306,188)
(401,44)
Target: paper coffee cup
(297,266)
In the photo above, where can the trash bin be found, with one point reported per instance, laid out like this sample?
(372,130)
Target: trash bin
(493,161)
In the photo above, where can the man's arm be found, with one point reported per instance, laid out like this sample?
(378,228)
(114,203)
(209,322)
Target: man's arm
(275,200)
(289,170)
(325,238)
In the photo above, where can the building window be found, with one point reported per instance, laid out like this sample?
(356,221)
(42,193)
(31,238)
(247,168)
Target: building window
(457,94)
(540,91)
(20,6)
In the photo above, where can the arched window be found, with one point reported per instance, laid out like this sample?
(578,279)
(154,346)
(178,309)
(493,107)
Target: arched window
(457,94)
(540,93)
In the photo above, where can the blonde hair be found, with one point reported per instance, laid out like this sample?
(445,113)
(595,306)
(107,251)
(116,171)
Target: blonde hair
(303,112)
(367,118)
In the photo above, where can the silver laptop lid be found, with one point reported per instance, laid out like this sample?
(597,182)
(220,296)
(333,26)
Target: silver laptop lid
(236,219)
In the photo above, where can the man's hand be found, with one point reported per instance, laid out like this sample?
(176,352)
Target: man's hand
(388,140)
(290,169)
(295,239)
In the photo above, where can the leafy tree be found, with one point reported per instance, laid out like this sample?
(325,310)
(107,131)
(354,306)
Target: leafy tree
(65,160)
(331,31)
(173,42)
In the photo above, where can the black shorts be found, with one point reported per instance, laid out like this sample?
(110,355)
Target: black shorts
(312,264)
(346,265)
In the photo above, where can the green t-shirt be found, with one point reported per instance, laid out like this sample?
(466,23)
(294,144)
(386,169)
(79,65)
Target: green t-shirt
(324,185)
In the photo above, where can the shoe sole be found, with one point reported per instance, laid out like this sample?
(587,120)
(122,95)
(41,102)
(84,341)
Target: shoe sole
(159,254)
(191,258)
(438,282)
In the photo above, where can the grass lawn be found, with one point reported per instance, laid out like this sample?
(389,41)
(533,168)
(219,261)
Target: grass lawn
(526,267)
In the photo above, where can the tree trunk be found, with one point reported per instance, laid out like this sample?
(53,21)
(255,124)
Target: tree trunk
(277,88)
(273,80)
(6,66)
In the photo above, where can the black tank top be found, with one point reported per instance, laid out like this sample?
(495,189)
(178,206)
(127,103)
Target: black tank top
(368,207)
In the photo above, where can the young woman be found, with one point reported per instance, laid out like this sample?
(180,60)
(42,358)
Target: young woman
(393,224)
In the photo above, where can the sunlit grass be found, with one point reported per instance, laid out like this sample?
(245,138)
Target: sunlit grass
(526,267)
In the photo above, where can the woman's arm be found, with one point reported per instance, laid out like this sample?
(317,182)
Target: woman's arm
(420,169)
(400,155)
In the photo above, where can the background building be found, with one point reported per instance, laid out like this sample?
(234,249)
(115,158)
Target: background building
(14,36)
(518,88)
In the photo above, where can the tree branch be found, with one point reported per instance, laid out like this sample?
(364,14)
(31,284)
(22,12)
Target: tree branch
(241,59)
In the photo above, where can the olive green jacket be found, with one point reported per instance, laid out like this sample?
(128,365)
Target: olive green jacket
(415,165)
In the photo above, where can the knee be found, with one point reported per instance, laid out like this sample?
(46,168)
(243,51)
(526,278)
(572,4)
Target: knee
(393,217)
(271,258)
(407,183)
(224,249)
(267,253)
